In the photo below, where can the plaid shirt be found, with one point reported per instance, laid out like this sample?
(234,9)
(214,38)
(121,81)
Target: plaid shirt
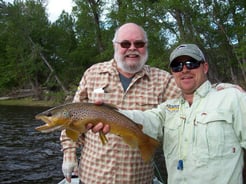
(116,162)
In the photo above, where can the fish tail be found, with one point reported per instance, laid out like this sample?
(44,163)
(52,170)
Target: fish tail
(147,147)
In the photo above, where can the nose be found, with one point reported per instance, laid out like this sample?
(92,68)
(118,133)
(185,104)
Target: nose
(185,69)
(132,47)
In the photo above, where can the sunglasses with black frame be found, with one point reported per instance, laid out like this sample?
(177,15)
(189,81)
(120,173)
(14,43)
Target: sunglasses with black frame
(190,64)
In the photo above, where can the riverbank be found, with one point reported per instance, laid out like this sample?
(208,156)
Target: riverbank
(28,102)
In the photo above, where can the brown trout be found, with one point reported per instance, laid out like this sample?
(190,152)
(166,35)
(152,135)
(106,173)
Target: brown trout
(75,116)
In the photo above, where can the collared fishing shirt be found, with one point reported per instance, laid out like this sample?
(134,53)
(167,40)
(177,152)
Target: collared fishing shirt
(116,162)
(202,142)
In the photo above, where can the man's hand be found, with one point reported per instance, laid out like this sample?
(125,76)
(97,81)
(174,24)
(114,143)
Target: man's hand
(99,127)
(68,168)
(222,86)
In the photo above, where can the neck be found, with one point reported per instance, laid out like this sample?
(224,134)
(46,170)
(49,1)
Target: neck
(126,74)
(188,98)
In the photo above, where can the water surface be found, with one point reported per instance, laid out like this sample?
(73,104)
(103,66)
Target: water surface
(27,156)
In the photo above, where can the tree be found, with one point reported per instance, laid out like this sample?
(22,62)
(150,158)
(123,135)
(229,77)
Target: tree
(74,42)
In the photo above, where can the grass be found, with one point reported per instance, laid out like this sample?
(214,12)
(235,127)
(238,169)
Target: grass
(28,102)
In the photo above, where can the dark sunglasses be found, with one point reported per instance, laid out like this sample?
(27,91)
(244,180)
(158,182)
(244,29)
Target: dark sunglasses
(127,44)
(190,64)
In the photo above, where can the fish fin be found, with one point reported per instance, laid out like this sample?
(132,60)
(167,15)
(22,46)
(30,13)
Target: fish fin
(74,135)
(77,128)
(147,147)
(103,137)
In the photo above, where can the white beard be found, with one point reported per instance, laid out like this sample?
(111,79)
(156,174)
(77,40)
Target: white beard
(133,68)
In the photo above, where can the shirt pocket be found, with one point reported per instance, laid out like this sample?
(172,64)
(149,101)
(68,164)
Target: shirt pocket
(171,137)
(98,93)
(214,135)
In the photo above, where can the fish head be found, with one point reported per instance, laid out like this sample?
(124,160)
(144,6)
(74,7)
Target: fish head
(55,119)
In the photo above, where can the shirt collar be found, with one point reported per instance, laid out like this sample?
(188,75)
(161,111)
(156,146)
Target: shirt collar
(204,89)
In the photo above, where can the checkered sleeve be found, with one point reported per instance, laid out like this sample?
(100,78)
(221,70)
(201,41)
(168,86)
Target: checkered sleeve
(68,146)
(70,162)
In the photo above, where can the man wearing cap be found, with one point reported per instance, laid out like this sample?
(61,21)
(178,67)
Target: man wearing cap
(204,130)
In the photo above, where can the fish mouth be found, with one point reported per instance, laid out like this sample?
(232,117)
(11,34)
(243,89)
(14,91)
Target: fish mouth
(48,126)
(43,118)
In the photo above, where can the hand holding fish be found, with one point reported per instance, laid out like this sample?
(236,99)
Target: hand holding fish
(105,128)
(100,126)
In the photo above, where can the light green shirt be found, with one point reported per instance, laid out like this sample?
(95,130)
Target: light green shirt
(207,137)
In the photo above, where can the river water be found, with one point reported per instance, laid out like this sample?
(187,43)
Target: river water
(27,156)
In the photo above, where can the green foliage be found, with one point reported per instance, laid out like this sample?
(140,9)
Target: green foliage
(24,36)
(78,40)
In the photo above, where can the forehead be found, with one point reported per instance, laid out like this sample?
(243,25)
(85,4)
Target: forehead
(130,33)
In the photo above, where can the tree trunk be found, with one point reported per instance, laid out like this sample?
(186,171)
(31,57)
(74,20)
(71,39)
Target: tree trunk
(50,67)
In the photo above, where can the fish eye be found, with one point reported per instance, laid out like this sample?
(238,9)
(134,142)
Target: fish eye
(65,113)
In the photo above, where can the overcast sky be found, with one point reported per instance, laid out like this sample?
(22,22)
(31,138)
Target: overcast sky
(55,7)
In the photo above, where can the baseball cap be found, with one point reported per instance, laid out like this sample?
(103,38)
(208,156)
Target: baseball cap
(191,50)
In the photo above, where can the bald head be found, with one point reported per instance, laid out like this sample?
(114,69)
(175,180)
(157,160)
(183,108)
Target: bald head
(128,30)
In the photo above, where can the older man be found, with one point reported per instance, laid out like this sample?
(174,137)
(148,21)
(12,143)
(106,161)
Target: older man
(128,83)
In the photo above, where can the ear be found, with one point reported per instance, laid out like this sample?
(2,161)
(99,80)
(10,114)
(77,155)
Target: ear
(205,67)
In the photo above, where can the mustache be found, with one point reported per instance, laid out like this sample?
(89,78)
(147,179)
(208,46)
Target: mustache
(132,52)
